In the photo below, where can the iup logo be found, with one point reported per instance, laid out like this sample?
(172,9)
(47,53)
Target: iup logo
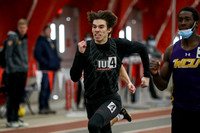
(110,63)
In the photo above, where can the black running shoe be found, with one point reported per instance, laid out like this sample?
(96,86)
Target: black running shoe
(127,116)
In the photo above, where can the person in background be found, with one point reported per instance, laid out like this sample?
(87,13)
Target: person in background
(46,54)
(154,53)
(182,61)
(101,60)
(88,36)
(151,48)
(16,68)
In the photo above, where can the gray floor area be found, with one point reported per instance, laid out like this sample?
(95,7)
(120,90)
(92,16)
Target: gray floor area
(41,120)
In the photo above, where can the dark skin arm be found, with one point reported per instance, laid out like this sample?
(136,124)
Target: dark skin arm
(161,81)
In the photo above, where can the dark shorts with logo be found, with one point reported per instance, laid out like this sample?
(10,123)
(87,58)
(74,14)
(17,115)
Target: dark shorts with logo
(108,107)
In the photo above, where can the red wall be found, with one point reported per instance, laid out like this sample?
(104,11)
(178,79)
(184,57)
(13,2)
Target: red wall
(10,12)
(154,14)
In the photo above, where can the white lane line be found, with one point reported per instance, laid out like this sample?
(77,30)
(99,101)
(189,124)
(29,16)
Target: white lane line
(147,129)
(145,119)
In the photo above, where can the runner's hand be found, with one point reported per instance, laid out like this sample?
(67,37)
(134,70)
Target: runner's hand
(154,66)
(145,82)
(131,88)
(82,46)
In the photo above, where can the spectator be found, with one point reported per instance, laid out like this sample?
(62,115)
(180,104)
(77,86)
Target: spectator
(48,60)
(16,71)
(88,36)
(155,54)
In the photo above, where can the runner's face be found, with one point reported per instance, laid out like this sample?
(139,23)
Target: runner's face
(100,31)
(185,20)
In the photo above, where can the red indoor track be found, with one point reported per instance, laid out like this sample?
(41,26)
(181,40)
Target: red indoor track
(144,121)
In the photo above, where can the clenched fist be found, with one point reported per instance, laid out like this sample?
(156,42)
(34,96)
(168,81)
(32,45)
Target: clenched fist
(82,46)
(154,66)
(131,88)
(145,82)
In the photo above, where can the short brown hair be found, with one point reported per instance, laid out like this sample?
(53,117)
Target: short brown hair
(22,21)
(109,17)
(46,27)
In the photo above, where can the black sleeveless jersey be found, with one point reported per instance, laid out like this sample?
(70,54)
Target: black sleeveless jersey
(101,65)
(101,71)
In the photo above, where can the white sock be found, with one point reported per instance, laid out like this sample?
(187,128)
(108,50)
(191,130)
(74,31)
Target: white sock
(120,117)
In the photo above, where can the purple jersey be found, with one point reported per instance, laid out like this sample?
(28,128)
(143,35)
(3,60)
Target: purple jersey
(186,77)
